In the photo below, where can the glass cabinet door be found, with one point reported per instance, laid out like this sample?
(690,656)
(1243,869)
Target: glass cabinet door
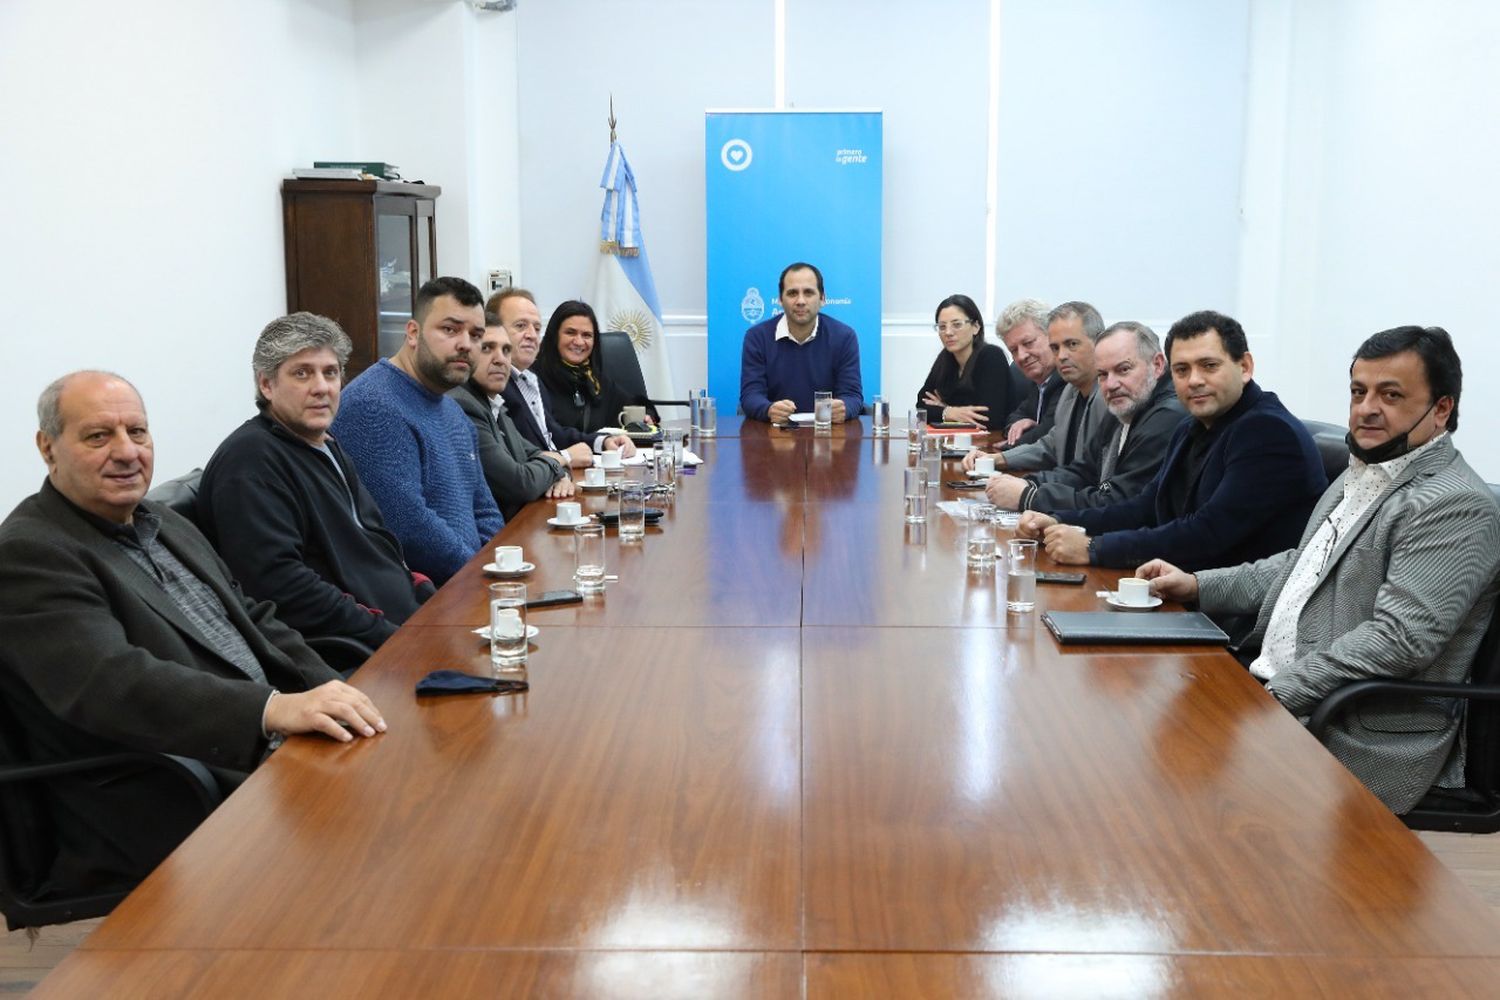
(396,284)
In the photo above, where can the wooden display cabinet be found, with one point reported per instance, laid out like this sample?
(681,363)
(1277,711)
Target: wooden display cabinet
(357,251)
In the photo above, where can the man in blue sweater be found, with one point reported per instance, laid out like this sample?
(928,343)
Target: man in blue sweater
(1238,480)
(789,357)
(415,450)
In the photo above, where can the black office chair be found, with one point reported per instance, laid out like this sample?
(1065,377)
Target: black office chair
(28,843)
(623,368)
(342,653)
(1332,447)
(1475,808)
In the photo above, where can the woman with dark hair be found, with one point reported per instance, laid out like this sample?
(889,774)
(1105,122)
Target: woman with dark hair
(571,368)
(970,380)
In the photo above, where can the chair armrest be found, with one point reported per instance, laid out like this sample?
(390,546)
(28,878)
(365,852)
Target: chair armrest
(192,772)
(1347,695)
(340,652)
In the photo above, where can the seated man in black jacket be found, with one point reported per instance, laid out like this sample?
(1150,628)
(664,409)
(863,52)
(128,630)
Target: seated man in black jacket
(284,506)
(1122,462)
(1238,482)
(517,470)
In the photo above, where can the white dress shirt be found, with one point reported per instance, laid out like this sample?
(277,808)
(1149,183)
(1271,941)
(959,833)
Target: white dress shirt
(1362,486)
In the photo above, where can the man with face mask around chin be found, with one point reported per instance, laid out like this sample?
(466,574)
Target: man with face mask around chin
(1395,575)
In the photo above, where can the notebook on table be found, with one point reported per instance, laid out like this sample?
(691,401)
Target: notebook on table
(1112,627)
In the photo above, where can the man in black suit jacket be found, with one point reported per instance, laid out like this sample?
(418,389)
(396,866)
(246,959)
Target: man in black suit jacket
(517,471)
(1238,482)
(526,400)
(124,631)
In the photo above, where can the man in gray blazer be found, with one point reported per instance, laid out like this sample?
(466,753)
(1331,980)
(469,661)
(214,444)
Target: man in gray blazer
(1072,329)
(517,471)
(1395,575)
(124,631)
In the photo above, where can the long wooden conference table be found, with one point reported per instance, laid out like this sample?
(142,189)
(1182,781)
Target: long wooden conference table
(798,749)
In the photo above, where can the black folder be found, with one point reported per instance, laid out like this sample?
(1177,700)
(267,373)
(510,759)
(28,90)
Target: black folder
(1114,627)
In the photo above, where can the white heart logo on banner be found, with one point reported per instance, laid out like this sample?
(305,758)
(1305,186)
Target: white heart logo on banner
(736,154)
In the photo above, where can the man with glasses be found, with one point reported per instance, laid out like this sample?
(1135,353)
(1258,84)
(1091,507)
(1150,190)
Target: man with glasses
(788,358)
(1395,574)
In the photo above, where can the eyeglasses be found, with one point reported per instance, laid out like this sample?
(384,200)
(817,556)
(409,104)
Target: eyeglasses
(955,326)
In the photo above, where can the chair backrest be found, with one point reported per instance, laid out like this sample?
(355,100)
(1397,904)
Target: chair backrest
(621,366)
(1332,447)
(180,494)
(28,843)
(1482,749)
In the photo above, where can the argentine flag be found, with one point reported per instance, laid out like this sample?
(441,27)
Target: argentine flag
(624,291)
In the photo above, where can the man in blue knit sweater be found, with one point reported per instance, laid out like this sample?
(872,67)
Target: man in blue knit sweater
(415,450)
(789,357)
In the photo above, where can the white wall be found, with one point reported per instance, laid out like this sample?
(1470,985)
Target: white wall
(143,148)
(1389,209)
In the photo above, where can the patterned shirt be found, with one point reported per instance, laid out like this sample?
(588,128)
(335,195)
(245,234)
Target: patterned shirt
(531,391)
(194,598)
(1363,485)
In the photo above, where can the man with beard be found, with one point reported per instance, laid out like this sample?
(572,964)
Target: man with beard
(1118,465)
(415,450)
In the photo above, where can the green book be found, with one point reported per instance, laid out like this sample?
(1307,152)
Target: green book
(387,170)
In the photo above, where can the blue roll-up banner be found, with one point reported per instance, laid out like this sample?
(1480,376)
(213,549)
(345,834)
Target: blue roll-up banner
(785,186)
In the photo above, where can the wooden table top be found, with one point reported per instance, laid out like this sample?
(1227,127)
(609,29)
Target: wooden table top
(796,750)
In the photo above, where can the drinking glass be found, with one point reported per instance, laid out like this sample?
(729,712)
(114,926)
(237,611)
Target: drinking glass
(822,411)
(507,627)
(981,536)
(932,458)
(916,494)
(633,513)
(880,416)
(1020,575)
(665,464)
(588,557)
(914,425)
(708,418)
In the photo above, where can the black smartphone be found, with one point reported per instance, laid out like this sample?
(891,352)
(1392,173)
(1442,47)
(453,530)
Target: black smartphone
(552,598)
(965,484)
(1060,577)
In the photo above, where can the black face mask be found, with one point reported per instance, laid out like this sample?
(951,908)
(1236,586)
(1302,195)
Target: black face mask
(1394,448)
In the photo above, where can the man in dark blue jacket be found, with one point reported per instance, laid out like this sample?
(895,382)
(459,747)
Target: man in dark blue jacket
(1238,482)
(789,357)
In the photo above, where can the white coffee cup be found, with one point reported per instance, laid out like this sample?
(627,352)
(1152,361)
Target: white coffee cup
(508,558)
(608,459)
(984,465)
(569,512)
(593,477)
(1134,592)
(964,441)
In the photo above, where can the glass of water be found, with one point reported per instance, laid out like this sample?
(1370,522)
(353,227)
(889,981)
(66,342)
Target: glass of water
(1020,575)
(914,430)
(932,458)
(916,494)
(981,536)
(708,417)
(665,464)
(633,513)
(507,627)
(880,417)
(822,411)
(588,557)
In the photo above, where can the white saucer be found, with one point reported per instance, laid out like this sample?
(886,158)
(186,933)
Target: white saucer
(802,418)
(982,475)
(1113,601)
(567,524)
(483,632)
(587,488)
(494,570)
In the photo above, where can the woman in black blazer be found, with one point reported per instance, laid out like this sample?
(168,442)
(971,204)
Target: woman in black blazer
(571,368)
(970,380)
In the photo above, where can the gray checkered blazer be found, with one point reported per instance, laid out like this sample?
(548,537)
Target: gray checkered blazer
(1407,592)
